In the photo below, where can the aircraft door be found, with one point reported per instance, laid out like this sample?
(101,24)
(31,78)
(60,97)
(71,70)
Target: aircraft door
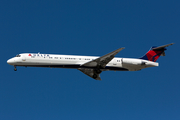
(23,58)
(114,62)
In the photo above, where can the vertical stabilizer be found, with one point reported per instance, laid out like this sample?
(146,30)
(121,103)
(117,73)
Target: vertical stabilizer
(155,52)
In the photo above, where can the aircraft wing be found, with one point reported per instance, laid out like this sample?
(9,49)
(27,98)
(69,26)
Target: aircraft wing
(102,61)
(97,64)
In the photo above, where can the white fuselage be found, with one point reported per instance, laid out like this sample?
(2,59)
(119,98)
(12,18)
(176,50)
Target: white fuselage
(73,61)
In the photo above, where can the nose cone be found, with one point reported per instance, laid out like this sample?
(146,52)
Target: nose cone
(10,61)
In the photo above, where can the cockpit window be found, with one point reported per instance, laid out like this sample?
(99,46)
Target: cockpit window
(18,55)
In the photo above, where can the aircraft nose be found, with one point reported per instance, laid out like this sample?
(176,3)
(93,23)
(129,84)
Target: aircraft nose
(10,61)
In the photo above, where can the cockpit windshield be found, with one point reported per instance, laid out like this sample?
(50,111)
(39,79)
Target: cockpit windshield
(18,55)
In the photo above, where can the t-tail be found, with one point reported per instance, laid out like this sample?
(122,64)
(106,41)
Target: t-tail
(155,52)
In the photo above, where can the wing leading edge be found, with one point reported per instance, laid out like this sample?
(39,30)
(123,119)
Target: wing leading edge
(96,65)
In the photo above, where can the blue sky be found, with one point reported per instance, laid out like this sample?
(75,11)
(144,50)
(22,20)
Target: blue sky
(91,27)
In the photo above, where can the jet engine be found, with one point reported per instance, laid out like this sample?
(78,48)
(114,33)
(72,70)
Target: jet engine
(126,61)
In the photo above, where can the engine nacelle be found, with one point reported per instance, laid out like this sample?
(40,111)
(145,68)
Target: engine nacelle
(126,61)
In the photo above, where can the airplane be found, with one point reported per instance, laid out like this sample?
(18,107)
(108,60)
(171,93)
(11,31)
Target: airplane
(90,65)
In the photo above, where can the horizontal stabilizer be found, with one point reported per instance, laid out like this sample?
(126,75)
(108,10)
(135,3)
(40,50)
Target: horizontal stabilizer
(161,47)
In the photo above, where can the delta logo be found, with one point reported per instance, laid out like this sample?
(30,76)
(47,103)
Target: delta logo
(39,55)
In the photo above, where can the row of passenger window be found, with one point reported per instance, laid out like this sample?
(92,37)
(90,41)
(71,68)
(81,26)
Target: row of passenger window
(69,58)
(118,60)
(65,58)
